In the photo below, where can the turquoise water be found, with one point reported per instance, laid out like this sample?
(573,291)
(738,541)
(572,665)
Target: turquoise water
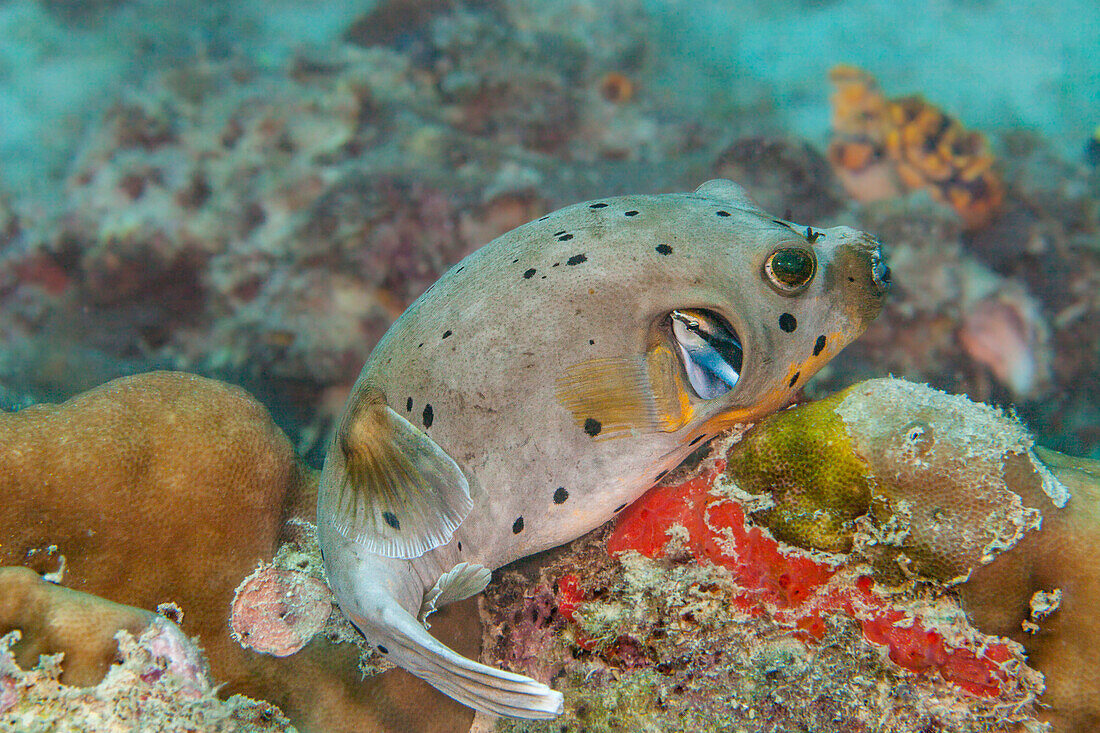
(254,191)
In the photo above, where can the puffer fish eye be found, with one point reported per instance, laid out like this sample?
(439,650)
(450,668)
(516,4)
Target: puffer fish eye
(710,350)
(790,269)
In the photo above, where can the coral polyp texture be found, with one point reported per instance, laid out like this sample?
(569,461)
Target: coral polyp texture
(890,556)
(882,147)
(155,488)
(158,681)
(52,619)
(172,488)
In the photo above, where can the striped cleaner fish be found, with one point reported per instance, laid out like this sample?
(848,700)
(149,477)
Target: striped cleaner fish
(551,378)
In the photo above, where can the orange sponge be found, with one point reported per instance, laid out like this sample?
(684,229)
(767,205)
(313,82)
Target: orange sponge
(882,147)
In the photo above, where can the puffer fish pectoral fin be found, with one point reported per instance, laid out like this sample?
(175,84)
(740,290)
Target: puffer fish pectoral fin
(627,396)
(615,397)
(462,581)
(400,494)
(495,691)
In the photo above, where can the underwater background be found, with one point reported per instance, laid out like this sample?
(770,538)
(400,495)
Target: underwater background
(254,191)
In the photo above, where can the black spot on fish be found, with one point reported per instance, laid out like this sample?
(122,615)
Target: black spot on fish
(851,279)
(663,249)
(460,547)
(409,405)
(447,333)
(632,212)
(555,264)
(619,508)
(544,218)
(565,237)
(429,416)
(794,379)
(515,260)
(591,342)
(819,345)
(697,438)
(560,495)
(558,234)
(722,213)
(517,526)
(529,274)
(383,649)
(788,322)
(592,427)
(460,269)
(597,206)
(391,519)
(576,259)
(420,344)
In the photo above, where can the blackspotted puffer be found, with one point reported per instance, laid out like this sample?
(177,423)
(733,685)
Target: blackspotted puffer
(552,377)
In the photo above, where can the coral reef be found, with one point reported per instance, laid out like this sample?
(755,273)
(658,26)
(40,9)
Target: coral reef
(128,482)
(916,489)
(168,487)
(890,554)
(261,210)
(159,682)
(945,491)
(882,147)
(52,619)
(1044,592)
(673,644)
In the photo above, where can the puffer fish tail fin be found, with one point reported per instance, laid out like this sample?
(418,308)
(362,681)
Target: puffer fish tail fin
(402,640)
(399,494)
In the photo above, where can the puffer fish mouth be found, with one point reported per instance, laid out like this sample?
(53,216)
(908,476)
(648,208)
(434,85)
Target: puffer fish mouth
(880,271)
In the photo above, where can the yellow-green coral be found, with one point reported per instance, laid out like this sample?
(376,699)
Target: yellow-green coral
(911,477)
(804,459)
(959,496)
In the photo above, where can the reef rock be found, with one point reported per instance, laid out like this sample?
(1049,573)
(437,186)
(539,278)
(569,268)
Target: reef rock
(168,487)
(158,682)
(889,556)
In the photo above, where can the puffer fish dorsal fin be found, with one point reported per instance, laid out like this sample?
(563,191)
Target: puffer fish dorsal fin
(462,581)
(615,397)
(721,189)
(401,495)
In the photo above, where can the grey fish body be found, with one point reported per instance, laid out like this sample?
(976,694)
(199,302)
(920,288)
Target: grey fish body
(544,367)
